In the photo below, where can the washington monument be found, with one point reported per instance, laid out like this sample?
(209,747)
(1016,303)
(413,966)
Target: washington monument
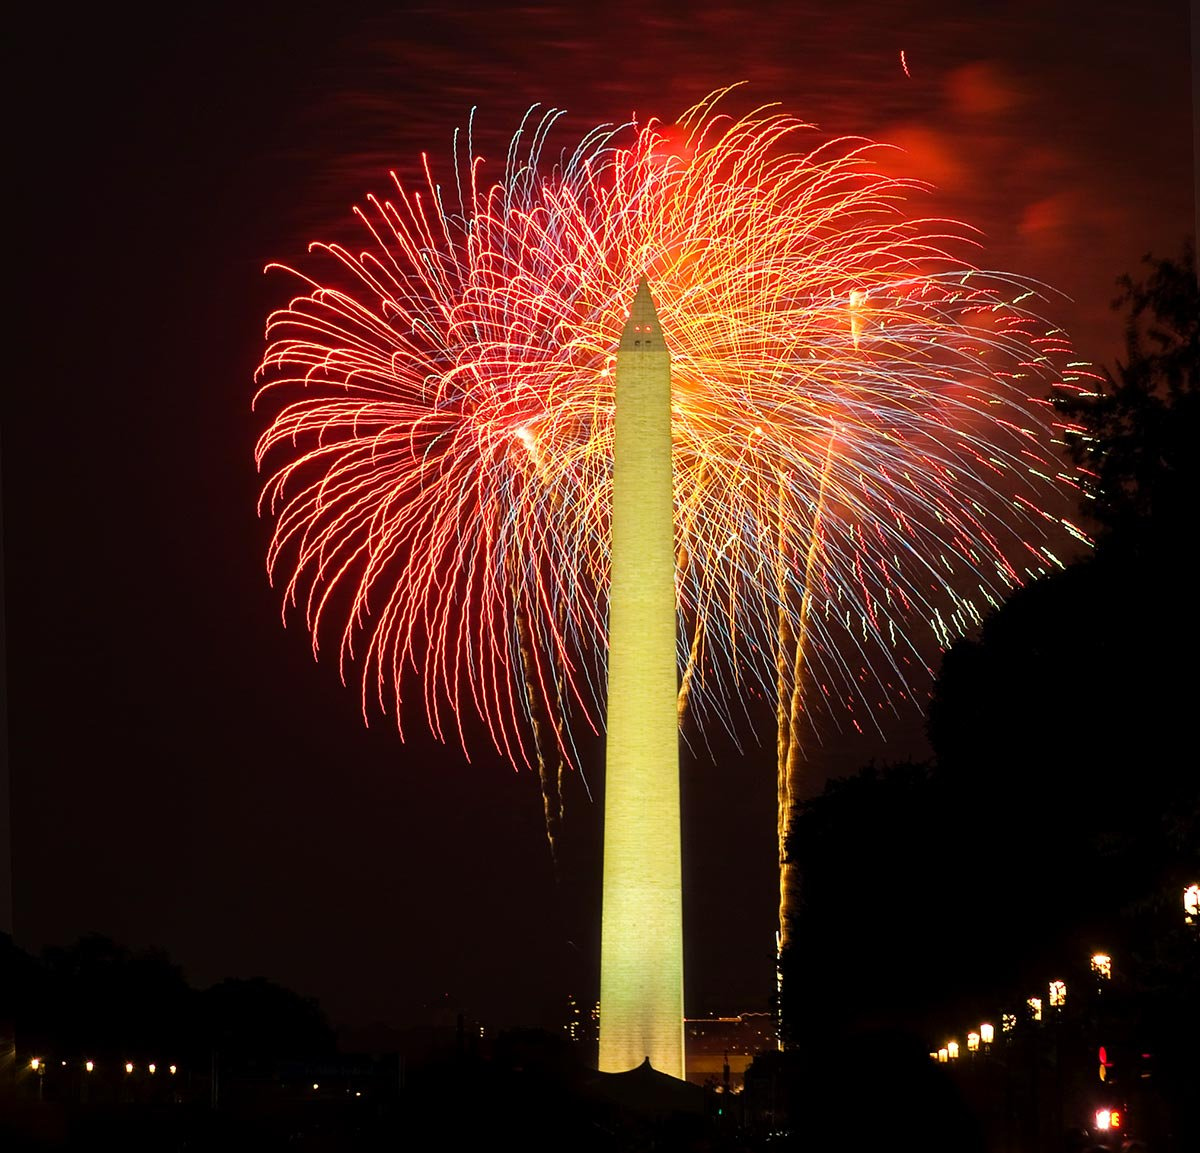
(641,939)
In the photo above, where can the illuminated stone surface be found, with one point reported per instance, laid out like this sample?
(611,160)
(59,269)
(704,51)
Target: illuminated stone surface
(641,950)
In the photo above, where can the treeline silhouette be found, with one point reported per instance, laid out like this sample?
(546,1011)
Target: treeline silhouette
(1060,813)
(95,999)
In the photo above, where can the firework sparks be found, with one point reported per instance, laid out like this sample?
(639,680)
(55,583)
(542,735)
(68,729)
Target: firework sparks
(860,452)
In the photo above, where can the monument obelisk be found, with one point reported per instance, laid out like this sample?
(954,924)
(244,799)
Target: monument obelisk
(641,937)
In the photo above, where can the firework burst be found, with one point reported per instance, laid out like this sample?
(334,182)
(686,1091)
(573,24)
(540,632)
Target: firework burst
(861,451)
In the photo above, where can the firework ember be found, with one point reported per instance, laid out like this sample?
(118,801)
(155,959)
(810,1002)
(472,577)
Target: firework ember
(862,449)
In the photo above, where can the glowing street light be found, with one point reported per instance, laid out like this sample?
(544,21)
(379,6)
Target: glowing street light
(39,1067)
(987,1033)
(153,1068)
(973,1042)
(1008,1022)
(89,1065)
(1035,1007)
(943,1055)
(1191,904)
(952,1050)
(1102,966)
(1058,994)
(171,1069)
(128,1066)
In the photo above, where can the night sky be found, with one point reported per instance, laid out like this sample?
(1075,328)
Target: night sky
(183,774)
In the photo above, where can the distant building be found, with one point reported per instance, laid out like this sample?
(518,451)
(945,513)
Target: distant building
(714,1042)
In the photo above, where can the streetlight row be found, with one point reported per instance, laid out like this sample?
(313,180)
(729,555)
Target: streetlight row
(1057,990)
(38,1065)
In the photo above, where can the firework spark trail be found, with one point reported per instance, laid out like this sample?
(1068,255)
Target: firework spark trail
(441,413)
(793,629)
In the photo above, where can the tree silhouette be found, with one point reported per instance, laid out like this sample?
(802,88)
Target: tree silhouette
(1061,810)
(96,998)
(1137,436)
(257,1018)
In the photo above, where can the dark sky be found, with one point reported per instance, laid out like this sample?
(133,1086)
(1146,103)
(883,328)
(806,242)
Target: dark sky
(183,774)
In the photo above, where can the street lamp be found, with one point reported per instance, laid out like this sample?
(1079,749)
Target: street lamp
(943,1055)
(1102,966)
(1058,994)
(973,1042)
(1035,1007)
(128,1066)
(1191,904)
(89,1065)
(987,1033)
(952,1050)
(39,1067)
